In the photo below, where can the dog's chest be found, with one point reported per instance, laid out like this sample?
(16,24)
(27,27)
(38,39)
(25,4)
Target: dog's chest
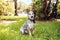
(30,25)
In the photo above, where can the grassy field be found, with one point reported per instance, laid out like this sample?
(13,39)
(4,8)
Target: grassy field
(49,30)
(11,17)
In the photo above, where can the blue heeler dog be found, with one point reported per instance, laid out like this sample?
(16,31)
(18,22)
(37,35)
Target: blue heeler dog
(28,26)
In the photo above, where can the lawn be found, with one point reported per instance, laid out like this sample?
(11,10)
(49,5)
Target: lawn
(11,17)
(49,30)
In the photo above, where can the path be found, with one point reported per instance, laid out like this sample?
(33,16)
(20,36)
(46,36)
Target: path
(6,22)
(58,19)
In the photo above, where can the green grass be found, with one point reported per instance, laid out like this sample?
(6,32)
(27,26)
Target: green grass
(43,31)
(11,17)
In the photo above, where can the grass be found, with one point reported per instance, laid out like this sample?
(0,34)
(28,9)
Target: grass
(43,31)
(48,30)
(11,17)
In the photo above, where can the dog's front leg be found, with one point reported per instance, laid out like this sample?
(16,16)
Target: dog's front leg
(22,30)
(30,33)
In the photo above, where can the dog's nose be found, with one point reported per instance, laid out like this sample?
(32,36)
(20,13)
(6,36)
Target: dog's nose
(31,16)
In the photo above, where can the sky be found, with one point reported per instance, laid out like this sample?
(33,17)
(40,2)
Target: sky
(54,1)
(27,2)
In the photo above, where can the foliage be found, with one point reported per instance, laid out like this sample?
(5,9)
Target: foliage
(58,7)
(37,6)
(6,7)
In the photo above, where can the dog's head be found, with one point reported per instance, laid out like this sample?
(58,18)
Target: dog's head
(31,15)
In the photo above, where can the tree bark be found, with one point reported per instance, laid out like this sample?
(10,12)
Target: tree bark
(46,7)
(15,3)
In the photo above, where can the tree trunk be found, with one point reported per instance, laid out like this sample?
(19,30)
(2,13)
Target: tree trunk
(15,3)
(46,8)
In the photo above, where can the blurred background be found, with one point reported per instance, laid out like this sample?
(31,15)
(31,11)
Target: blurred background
(13,14)
(44,9)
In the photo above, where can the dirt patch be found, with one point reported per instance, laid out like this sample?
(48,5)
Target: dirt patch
(58,19)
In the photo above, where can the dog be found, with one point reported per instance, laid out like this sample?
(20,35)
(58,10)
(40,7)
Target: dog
(28,26)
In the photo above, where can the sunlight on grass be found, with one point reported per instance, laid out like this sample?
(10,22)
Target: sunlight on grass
(43,31)
(11,17)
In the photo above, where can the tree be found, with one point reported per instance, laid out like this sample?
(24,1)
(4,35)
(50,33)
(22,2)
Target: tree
(15,3)
(6,7)
(54,9)
(46,8)
(43,7)
(58,6)
(36,5)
